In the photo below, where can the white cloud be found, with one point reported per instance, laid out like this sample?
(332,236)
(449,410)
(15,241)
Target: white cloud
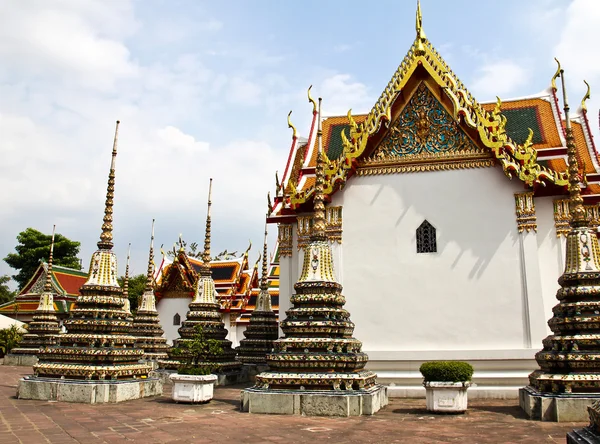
(340,93)
(499,78)
(175,140)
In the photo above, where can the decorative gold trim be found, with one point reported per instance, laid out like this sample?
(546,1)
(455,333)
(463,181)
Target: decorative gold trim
(593,213)
(562,217)
(285,239)
(428,164)
(304,230)
(525,210)
(333,226)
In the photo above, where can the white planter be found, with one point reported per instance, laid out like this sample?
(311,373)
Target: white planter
(193,388)
(450,397)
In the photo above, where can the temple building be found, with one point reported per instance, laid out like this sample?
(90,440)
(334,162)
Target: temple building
(65,283)
(236,282)
(454,216)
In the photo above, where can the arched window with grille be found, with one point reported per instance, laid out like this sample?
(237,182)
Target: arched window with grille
(176,319)
(426,238)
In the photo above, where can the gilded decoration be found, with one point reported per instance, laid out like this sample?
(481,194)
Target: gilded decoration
(426,137)
(285,239)
(333,226)
(561,217)
(525,209)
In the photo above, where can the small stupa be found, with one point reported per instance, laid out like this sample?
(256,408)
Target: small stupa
(204,312)
(43,329)
(318,367)
(126,301)
(568,380)
(262,330)
(95,361)
(146,325)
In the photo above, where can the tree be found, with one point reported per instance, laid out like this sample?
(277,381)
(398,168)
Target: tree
(9,338)
(197,353)
(6,294)
(34,246)
(136,287)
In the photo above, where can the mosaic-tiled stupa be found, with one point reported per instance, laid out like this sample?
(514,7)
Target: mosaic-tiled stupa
(146,325)
(318,357)
(97,345)
(126,301)
(43,330)
(569,375)
(262,330)
(204,312)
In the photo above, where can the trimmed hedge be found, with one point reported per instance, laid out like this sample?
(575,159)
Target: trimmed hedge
(446,371)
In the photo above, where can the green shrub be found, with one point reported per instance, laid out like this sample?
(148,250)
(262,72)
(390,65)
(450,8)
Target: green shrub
(9,338)
(191,370)
(195,352)
(446,371)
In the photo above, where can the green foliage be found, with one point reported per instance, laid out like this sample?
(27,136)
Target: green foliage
(9,338)
(196,350)
(6,294)
(136,287)
(446,371)
(34,246)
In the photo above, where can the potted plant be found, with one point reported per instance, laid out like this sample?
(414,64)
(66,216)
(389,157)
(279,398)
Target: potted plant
(194,381)
(446,384)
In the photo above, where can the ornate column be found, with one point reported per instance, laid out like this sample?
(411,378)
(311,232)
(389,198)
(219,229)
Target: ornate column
(534,322)
(287,271)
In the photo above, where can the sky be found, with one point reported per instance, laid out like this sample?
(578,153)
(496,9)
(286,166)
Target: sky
(203,89)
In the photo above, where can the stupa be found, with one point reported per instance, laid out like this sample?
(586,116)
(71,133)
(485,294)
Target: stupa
(568,380)
(126,302)
(43,329)
(318,367)
(95,361)
(262,330)
(204,311)
(146,326)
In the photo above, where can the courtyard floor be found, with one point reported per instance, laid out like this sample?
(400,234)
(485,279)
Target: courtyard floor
(158,420)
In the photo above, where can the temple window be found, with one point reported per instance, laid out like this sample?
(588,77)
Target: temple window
(426,238)
(176,319)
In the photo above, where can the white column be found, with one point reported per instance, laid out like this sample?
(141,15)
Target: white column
(287,268)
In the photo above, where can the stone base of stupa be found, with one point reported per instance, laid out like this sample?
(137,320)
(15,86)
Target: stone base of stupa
(583,436)
(314,403)
(255,369)
(20,359)
(88,392)
(556,408)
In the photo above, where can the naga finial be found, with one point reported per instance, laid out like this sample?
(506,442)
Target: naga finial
(291,125)
(311,100)
(586,97)
(556,75)
(277,184)
(181,244)
(106,237)
(269,203)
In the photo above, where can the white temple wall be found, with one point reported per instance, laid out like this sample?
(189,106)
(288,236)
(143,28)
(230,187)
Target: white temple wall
(167,308)
(467,296)
(551,254)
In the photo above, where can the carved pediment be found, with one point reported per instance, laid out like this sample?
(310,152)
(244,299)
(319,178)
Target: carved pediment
(424,137)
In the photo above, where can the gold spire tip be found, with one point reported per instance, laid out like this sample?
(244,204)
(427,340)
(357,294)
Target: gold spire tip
(419,22)
(48,283)
(263,283)
(106,236)
(206,253)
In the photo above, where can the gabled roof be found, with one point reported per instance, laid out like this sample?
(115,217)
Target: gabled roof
(502,128)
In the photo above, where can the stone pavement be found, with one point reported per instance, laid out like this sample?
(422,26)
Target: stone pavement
(161,421)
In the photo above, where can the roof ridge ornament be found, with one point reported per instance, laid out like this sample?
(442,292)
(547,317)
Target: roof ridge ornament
(586,97)
(291,125)
(48,283)
(419,28)
(311,100)
(106,237)
(556,75)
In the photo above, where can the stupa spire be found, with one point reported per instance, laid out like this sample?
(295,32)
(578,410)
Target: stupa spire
(318,229)
(126,279)
(106,237)
(48,284)
(264,285)
(206,253)
(150,272)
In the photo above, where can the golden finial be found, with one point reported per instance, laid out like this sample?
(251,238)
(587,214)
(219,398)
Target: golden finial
(48,284)
(319,206)
(249,248)
(586,97)
(311,100)
(578,214)
(277,184)
(126,280)
(291,125)
(181,246)
(206,253)
(419,23)
(150,274)
(263,282)
(556,75)
(107,227)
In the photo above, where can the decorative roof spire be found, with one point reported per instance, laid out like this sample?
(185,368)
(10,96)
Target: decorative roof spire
(311,100)
(150,275)
(181,246)
(106,237)
(291,125)
(419,23)
(206,253)
(319,207)
(578,214)
(264,285)
(126,280)
(48,284)
(586,97)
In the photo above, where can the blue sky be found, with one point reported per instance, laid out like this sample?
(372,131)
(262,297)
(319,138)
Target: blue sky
(203,89)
